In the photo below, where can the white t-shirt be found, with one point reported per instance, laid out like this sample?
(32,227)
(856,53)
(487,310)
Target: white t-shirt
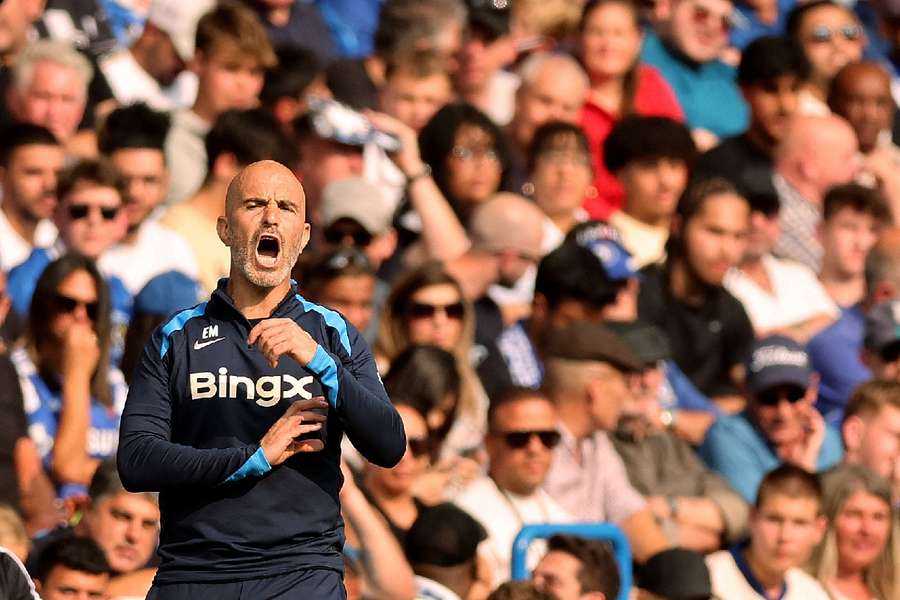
(130,83)
(503,514)
(14,249)
(728,581)
(156,250)
(797,295)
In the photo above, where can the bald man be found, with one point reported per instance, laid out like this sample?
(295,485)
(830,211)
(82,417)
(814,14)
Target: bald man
(815,154)
(861,93)
(237,411)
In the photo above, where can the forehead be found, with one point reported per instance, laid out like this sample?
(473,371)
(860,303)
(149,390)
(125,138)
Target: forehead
(825,15)
(269,184)
(47,73)
(787,506)
(533,412)
(91,192)
(868,81)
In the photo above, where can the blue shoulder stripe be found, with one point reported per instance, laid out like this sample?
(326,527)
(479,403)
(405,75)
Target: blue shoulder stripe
(332,319)
(176,323)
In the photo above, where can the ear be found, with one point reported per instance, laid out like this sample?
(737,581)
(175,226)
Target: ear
(225,167)
(197,62)
(225,233)
(852,432)
(304,237)
(821,527)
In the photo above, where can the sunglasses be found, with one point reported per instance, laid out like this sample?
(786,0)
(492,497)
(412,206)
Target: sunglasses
(517,440)
(824,34)
(347,258)
(773,396)
(421,310)
(336,234)
(66,304)
(80,211)
(889,353)
(419,447)
(704,16)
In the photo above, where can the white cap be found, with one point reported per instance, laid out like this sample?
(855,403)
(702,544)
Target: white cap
(357,199)
(178,19)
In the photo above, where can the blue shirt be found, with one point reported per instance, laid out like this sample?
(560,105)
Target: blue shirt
(708,92)
(737,450)
(834,354)
(22,281)
(43,404)
(751,27)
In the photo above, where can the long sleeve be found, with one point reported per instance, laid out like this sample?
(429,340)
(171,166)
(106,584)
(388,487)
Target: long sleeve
(148,460)
(357,394)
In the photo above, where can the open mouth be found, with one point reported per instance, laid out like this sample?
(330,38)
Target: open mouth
(267,250)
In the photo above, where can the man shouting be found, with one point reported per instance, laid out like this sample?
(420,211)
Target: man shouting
(237,411)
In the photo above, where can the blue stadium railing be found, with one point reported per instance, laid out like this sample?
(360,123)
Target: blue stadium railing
(599,531)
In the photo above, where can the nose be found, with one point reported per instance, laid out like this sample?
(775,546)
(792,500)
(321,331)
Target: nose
(270,214)
(80,313)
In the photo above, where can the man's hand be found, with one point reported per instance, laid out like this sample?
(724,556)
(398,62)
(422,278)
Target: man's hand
(277,337)
(280,442)
(81,351)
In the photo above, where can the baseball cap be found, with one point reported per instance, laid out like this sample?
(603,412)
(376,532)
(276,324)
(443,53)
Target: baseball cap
(443,535)
(167,293)
(490,17)
(882,326)
(777,360)
(647,341)
(588,341)
(573,271)
(178,19)
(676,574)
(605,242)
(357,199)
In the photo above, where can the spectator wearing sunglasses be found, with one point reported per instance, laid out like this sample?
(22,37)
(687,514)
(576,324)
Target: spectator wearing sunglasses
(427,306)
(392,491)
(522,433)
(779,425)
(587,378)
(686,51)
(76,396)
(831,37)
(90,220)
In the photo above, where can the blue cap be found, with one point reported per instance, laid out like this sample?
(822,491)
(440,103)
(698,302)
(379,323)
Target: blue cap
(605,242)
(167,293)
(777,360)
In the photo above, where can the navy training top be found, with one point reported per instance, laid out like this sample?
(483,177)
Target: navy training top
(201,401)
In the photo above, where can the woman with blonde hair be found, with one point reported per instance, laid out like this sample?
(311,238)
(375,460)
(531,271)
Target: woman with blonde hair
(857,558)
(427,306)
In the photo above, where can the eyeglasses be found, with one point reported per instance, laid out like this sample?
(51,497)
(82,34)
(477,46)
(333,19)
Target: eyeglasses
(824,34)
(346,258)
(466,154)
(65,304)
(80,211)
(421,310)
(704,16)
(338,232)
(419,447)
(773,396)
(560,157)
(517,440)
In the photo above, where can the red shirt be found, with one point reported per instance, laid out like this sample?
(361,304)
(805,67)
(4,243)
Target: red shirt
(653,97)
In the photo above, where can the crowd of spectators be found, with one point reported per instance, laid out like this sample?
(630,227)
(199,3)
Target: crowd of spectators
(619,262)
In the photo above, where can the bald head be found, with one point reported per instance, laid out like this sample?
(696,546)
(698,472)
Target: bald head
(553,88)
(817,153)
(262,175)
(861,93)
(508,221)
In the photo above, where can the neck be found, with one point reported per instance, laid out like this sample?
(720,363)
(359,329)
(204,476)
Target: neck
(11,55)
(806,188)
(607,92)
(140,54)
(209,199)
(564,221)
(850,574)
(684,284)
(845,289)
(752,267)
(772,581)
(653,220)
(203,108)
(476,271)
(255,302)
(761,140)
(818,88)
(573,414)
(388,499)
(20,221)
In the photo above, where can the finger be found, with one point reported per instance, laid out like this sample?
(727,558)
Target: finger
(308,403)
(308,445)
(313,417)
(307,428)
(265,325)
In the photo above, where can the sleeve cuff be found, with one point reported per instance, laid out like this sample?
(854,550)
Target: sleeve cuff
(255,466)
(325,368)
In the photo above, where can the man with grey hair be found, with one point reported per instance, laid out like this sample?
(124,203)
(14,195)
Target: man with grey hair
(50,86)
(553,88)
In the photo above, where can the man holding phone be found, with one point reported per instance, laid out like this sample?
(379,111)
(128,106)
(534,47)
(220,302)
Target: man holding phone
(237,410)
(780,424)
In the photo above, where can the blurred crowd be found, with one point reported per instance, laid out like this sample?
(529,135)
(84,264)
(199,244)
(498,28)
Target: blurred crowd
(620,261)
